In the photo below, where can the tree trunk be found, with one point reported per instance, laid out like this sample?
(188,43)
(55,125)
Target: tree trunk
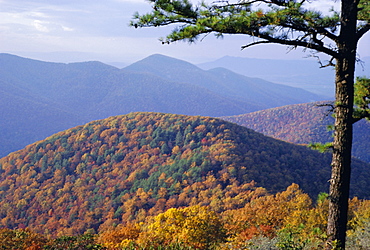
(342,145)
(341,163)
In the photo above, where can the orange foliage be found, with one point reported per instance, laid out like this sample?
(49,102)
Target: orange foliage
(117,170)
(113,237)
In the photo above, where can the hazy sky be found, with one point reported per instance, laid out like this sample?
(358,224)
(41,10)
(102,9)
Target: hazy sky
(84,30)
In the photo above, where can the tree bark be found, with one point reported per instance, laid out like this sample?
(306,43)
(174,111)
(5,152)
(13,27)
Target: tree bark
(341,164)
(342,144)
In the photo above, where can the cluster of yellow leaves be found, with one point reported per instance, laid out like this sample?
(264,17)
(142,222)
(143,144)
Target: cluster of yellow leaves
(359,213)
(195,226)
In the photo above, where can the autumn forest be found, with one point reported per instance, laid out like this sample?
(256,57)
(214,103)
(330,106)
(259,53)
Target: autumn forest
(155,180)
(96,157)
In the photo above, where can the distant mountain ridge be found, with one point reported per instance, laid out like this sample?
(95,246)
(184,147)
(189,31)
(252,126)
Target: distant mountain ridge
(41,98)
(253,91)
(305,73)
(303,124)
(131,166)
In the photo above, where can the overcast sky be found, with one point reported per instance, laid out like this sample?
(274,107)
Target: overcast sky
(86,30)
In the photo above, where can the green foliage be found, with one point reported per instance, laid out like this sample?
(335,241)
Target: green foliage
(239,18)
(321,147)
(272,24)
(364,11)
(262,243)
(322,197)
(362,98)
(85,241)
(290,239)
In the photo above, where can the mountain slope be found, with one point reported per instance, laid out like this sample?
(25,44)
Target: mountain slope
(27,118)
(305,74)
(135,91)
(127,167)
(303,124)
(224,82)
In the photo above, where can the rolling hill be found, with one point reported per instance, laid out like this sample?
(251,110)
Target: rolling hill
(42,98)
(128,167)
(303,124)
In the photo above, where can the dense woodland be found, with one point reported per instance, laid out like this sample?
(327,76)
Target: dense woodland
(125,171)
(299,124)
(286,220)
(304,124)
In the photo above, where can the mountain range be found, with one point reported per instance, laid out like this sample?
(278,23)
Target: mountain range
(131,165)
(306,73)
(124,168)
(41,98)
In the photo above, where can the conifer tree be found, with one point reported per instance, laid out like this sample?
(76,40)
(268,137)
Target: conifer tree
(291,23)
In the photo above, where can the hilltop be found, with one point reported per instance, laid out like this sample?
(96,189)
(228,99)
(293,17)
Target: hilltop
(128,167)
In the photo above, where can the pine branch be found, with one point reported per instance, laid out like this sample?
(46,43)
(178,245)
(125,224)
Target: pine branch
(300,43)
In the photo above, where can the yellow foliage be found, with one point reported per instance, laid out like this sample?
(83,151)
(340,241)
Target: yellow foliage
(176,150)
(266,215)
(194,226)
(360,214)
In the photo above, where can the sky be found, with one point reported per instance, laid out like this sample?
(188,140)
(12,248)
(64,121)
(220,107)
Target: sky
(98,30)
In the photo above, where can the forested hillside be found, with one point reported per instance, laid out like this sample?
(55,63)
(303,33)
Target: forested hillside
(304,124)
(125,168)
(41,98)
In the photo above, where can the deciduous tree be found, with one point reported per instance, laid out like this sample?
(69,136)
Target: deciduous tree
(195,226)
(291,23)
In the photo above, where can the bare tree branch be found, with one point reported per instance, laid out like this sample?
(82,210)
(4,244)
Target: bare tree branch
(329,64)
(255,43)
(330,105)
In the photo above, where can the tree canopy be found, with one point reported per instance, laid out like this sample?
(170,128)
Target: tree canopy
(284,22)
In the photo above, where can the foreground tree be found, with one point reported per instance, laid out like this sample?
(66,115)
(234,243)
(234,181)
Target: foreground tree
(291,23)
